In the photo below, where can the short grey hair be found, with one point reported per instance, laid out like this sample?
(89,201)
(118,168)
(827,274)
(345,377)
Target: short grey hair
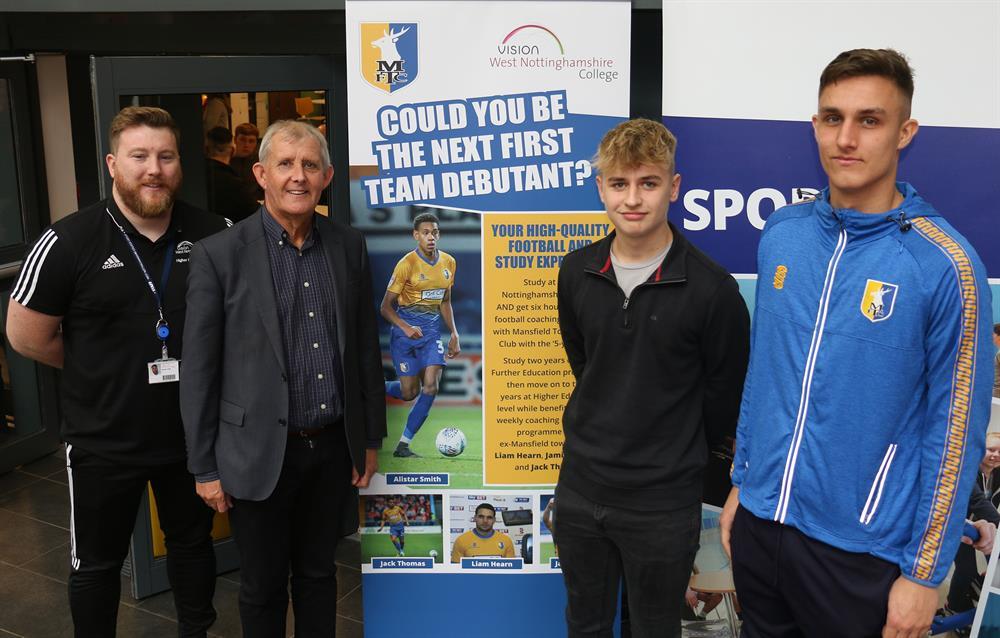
(294,131)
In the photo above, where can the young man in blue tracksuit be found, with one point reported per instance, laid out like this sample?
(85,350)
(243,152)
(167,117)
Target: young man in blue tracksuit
(867,398)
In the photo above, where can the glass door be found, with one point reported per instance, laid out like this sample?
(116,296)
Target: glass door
(29,419)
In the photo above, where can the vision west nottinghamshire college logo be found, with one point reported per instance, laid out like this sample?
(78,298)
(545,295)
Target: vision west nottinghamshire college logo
(532,47)
(389,59)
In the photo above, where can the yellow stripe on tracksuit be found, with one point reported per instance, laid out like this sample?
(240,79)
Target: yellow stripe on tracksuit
(946,484)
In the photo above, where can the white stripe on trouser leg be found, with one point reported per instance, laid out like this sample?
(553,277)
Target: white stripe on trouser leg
(73,560)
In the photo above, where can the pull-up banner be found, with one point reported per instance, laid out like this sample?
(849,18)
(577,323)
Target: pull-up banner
(485,114)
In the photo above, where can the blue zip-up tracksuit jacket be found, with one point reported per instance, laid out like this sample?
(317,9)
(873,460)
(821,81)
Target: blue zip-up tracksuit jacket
(867,399)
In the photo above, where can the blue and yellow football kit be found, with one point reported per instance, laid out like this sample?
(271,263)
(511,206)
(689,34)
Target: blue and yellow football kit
(472,543)
(395,517)
(422,286)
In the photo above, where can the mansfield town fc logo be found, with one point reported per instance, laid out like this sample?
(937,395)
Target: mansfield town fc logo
(389,54)
(878,300)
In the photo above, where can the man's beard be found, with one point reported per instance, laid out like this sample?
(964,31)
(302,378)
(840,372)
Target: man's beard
(147,207)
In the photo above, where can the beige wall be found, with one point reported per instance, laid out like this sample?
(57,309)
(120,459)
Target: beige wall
(57,137)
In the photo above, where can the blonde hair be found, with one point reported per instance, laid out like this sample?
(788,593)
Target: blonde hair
(635,142)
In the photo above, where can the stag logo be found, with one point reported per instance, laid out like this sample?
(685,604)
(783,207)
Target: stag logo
(389,54)
(387,43)
(878,300)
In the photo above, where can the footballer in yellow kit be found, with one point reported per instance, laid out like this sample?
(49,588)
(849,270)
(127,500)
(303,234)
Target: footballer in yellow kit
(483,540)
(416,301)
(395,517)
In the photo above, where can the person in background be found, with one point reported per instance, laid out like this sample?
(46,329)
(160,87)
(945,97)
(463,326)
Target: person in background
(215,112)
(228,195)
(985,516)
(996,361)
(245,155)
(989,469)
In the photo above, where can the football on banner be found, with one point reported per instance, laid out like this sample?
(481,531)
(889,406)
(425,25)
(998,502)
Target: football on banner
(450,441)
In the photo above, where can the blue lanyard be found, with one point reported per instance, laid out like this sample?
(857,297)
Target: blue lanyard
(162,327)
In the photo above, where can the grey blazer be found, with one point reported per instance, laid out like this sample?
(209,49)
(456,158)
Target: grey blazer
(234,390)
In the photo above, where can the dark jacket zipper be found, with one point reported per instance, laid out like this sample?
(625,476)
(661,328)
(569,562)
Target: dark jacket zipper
(626,317)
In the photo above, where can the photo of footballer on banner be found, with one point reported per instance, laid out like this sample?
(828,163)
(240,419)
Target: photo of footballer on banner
(491,531)
(548,553)
(401,526)
(417,303)
(430,331)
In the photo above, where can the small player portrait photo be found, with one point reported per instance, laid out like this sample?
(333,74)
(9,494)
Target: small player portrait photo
(547,549)
(401,525)
(494,526)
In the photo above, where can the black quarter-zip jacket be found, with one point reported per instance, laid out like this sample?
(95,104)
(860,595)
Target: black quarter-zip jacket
(659,375)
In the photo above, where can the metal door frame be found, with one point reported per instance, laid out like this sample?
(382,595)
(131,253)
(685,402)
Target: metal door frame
(44,403)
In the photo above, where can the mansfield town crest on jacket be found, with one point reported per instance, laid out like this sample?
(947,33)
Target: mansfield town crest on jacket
(878,300)
(389,54)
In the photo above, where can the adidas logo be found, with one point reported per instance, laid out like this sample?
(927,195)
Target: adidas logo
(112,262)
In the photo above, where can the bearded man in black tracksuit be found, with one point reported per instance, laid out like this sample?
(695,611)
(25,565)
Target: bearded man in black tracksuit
(657,336)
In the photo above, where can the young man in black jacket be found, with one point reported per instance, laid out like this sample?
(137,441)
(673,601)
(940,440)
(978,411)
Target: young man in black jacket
(657,336)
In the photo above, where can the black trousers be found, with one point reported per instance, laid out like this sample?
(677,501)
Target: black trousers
(104,500)
(297,526)
(791,586)
(600,545)
(966,572)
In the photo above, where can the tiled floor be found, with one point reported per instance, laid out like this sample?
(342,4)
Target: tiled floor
(34,563)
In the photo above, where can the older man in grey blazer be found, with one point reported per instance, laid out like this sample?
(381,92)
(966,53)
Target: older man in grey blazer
(282,391)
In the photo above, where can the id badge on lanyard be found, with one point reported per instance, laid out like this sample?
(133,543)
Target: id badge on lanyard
(165,369)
